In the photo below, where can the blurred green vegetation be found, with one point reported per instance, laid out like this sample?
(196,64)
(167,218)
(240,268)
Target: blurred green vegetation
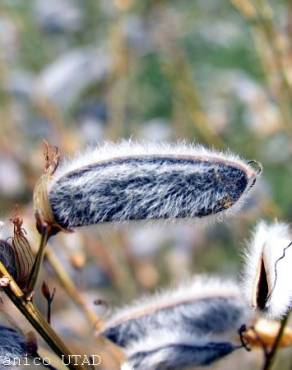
(202,71)
(194,66)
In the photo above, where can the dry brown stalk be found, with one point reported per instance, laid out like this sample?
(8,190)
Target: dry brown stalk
(270,357)
(28,309)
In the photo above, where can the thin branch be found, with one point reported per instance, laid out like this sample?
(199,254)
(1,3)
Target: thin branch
(69,286)
(27,308)
(37,264)
(271,355)
(97,322)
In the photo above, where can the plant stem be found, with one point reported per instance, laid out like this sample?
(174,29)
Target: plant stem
(271,356)
(32,314)
(97,322)
(37,263)
(72,291)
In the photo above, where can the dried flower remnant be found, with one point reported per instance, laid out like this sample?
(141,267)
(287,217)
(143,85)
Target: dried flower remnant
(131,182)
(267,272)
(44,216)
(45,221)
(206,314)
(16,253)
(24,258)
(7,257)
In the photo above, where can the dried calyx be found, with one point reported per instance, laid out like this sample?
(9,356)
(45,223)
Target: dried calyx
(7,257)
(43,211)
(16,253)
(24,257)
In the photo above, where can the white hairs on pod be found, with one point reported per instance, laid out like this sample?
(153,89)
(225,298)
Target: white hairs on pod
(173,350)
(131,181)
(194,324)
(126,366)
(17,352)
(268,269)
(13,348)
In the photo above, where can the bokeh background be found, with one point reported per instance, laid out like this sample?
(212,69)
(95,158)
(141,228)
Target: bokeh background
(77,73)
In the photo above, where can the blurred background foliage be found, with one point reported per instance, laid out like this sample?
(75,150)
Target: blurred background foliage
(79,72)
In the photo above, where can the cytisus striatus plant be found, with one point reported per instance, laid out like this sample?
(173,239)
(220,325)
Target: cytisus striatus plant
(193,324)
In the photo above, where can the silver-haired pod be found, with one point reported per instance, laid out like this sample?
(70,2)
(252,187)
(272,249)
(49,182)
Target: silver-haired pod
(13,346)
(127,181)
(268,269)
(192,325)
(19,351)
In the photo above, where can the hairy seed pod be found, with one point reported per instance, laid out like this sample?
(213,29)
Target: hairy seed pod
(268,262)
(184,308)
(191,325)
(18,351)
(123,182)
(12,345)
